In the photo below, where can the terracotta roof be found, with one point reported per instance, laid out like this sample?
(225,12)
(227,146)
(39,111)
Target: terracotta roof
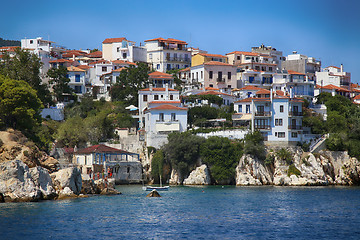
(249,88)
(331,87)
(167,107)
(160,75)
(155,102)
(211,88)
(263,91)
(97,54)
(214,93)
(185,70)
(295,73)
(333,67)
(100,148)
(279,92)
(118,70)
(123,62)
(8,48)
(214,63)
(169,40)
(114,40)
(84,67)
(257,63)
(60,61)
(75,69)
(244,53)
(211,55)
(357,97)
(71,54)
(158,89)
(99,62)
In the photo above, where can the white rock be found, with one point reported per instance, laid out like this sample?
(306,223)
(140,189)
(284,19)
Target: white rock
(68,177)
(43,181)
(199,176)
(251,171)
(174,178)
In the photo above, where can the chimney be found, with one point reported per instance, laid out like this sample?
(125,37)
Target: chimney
(341,68)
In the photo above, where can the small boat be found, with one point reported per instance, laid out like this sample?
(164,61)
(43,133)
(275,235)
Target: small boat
(161,188)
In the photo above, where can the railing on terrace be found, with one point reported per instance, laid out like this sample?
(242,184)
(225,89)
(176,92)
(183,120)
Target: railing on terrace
(263,114)
(295,127)
(291,113)
(176,59)
(267,127)
(167,121)
(253,81)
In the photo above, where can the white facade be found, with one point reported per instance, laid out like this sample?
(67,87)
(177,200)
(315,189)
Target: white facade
(167,54)
(122,49)
(79,79)
(335,76)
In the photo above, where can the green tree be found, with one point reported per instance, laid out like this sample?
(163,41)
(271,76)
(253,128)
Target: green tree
(19,104)
(72,133)
(177,80)
(198,115)
(222,156)
(254,145)
(58,77)
(157,166)
(26,66)
(130,81)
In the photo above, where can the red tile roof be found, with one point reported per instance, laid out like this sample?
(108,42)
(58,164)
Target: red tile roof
(244,53)
(97,54)
(75,69)
(60,61)
(357,97)
(249,88)
(114,40)
(123,62)
(99,62)
(257,63)
(185,70)
(158,89)
(263,91)
(215,63)
(295,73)
(167,107)
(212,55)
(8,48)
(100,148)
(331,86)
(214,93)
(169,40)
(333,67)
(211,88)
(160,75)
(84,67)
(156,102)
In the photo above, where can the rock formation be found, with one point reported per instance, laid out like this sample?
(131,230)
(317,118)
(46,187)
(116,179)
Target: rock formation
(67,181)
(199,176)
(324,168)
(174,177)
(153,193)
(19,183)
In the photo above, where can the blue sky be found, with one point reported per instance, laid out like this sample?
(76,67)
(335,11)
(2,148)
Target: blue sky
(328,30)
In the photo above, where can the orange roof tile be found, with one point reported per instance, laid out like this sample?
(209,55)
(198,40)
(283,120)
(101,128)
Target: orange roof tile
(244,53)
(60,61)
(169,40)
(185,70)
(295,73)
(357,97)
(156,102)
(211,88)
(123,62)
(8,48)
(211,55)
(333,67)
(97,54)
(214,63)
(160,75)
(114,40)
(167,107)
(99,62)
(157,89)
(119,69)
(213,93)
(84,67)
(263,91)
(249,88)
(257,63)
(75,69)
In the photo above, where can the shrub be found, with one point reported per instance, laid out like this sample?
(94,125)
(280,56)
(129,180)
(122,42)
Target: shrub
(254,145)
(305,161)
(284,155)
(270,158)
(293,171)
(157,165)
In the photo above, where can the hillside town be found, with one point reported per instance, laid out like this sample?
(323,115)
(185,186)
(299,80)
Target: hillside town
(263,90)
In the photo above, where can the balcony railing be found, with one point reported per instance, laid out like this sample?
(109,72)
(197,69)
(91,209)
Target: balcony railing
(253,81)
(176,59)
(291,113)
(167,121)
(263,114)
(265,127)
(295,127)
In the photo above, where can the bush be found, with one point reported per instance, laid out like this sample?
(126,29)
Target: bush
(293,171)
(157,165)
(254,145)
(284,155)
(270,159)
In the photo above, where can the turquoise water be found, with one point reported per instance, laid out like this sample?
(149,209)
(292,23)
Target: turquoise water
(192,213)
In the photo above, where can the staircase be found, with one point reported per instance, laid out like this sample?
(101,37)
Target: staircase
(318,143)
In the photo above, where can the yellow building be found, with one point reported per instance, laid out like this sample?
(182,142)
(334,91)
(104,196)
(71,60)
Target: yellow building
(202,58)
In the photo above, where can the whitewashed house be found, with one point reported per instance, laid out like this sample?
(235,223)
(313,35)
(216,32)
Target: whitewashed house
(79,80)
(122,49)
(334,76)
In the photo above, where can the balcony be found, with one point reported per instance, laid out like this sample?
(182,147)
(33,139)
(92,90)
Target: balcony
(344,83)
(295,127)
(263,114)
(262,127)
(176,59)
(167,126)
(252,81)
(295,114)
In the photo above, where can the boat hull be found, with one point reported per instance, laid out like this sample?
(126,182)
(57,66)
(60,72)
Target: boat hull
(150,188)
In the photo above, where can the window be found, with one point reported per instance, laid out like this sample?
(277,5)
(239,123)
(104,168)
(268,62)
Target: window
(197,75)
(238,57)
(229,75)
(67,76)
(284,76)
(247,108)
(278,122)
(211,74)
(78,89)
(260,109)
(77,78)
(150,55)
(171,97)
(270,69)
(124,55)
(128,170)
(201,74)
(240,108)
(157,66)
(210,85)
(104,69)
(281,108)
(31,41)
(294,134)
(220,75)
(251,79)
(263,68)
(281,134)
(118,49)
(168,66)
(161,117)
(145,98)
(257,68)
(177,66)
(173,117)
(156,97)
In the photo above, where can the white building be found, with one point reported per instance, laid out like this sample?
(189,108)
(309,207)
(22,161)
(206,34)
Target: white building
(160,80)
(302,64)
(122,49)
(166,54)
(276,55)
(79,80)
(278,118)
(335,76)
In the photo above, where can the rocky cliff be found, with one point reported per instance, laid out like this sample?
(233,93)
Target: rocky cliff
(324,168)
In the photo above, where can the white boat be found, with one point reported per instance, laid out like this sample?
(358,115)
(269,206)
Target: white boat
(161,188)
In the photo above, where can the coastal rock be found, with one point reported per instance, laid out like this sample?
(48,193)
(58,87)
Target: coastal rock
(89,187)
(174,177)
(68,177)
(199,176)
(43,181)
(110,191)
(16,183)
(251,171)
(153,193)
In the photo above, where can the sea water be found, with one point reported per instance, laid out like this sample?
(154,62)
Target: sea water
(213,212)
